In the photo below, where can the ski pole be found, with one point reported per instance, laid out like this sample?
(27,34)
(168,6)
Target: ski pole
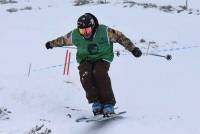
(167,57)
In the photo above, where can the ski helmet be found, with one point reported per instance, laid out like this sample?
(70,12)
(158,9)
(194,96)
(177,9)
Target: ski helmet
(95,20)
(85,21)
(88,20)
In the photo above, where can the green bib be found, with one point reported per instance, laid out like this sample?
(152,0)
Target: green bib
(99,48)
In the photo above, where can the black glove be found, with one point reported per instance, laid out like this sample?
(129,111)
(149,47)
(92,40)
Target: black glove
(137,52)
(48,45)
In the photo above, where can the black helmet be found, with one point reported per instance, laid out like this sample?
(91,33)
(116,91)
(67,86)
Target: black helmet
(85,21)
(88,20)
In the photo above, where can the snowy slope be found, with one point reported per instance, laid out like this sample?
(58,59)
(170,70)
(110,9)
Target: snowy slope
(160,96)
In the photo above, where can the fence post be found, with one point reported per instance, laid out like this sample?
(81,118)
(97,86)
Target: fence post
(29,70)
(148,48)
(186,4)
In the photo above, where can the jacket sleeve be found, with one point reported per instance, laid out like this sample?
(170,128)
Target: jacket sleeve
(118,37)
(65,40)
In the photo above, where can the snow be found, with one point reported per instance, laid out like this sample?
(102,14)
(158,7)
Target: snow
(159,96)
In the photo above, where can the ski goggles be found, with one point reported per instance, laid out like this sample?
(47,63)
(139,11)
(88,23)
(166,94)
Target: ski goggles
(85,31)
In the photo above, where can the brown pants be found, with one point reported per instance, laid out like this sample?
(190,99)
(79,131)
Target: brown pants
(96,81)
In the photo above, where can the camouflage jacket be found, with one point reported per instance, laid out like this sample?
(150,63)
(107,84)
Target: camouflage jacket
(114,36)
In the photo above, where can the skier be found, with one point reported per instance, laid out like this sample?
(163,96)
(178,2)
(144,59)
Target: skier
(94,44)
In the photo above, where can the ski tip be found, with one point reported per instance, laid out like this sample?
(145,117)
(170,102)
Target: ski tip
(123,112)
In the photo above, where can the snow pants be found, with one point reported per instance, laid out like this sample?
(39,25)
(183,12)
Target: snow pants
(96,81)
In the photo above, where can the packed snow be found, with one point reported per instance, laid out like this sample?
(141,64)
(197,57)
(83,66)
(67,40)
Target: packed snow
(160,96)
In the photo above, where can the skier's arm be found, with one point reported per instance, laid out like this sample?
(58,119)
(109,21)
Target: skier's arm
(119,37)
(60,41)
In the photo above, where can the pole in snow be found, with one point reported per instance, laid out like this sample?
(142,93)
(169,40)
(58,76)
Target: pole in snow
(186,4)
(167,57)
(29,70)
(67,62)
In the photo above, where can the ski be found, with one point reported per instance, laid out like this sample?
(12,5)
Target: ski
(102,118)
(99,118)
(84,118)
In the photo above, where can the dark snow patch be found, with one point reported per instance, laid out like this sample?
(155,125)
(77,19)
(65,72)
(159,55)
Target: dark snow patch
(39,129)
(8,2)
(4,113)
(163,8)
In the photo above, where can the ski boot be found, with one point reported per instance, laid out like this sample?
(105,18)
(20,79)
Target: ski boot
(108,110)
(97,108)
